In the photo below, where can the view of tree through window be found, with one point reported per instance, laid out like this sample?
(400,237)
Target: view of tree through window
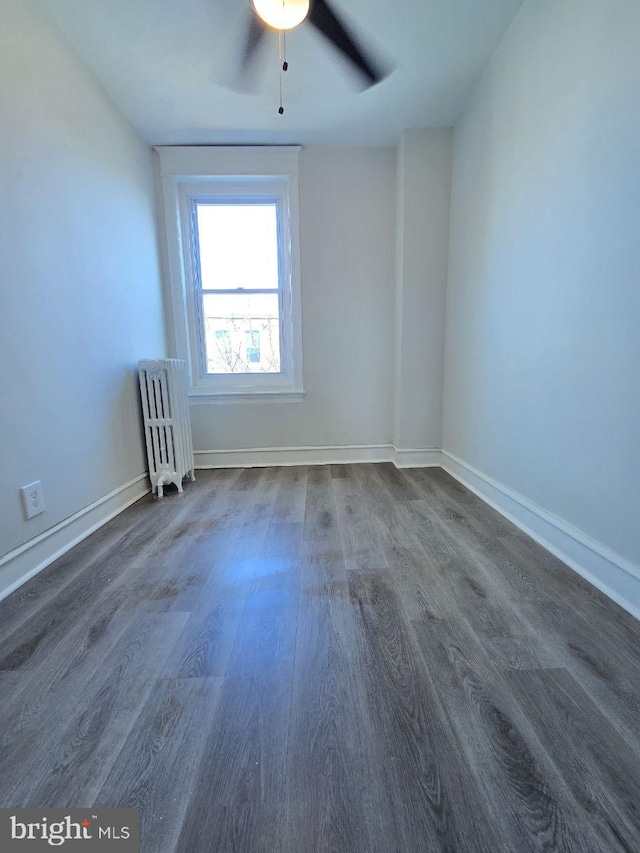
(238,254)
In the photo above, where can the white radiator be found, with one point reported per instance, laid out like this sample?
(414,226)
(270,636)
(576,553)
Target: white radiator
(167,426)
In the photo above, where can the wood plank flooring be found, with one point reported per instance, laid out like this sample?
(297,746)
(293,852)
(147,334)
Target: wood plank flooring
(340,658)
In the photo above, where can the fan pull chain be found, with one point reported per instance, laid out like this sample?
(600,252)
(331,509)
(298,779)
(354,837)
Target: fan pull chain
(282,57)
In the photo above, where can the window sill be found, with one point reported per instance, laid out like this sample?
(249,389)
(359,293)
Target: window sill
(208,398)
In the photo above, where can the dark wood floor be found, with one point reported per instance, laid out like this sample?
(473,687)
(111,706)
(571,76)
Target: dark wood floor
(346,658)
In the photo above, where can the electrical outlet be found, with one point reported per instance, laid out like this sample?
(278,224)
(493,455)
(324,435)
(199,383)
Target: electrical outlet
(32,499)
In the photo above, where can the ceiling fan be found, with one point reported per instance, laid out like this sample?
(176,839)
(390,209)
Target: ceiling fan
(284,15)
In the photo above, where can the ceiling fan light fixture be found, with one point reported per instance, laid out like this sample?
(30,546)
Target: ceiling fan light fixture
(281,14)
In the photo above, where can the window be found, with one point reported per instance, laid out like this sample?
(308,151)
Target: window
(238,275)
(221,352)
(234,261)
(253,349)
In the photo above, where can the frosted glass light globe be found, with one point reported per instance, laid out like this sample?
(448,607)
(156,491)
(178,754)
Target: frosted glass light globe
(281,14)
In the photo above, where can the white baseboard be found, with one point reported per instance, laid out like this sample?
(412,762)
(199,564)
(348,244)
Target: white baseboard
(266,457)
(427,457)
(25,561)
(615,576)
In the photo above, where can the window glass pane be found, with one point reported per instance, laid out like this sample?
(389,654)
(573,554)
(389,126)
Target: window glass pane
(242,332)
(238,246)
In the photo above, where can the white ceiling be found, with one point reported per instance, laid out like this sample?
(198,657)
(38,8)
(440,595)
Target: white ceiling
(165,63)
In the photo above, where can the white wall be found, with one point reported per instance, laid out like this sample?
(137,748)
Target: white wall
(347,216)
(423,184)
(79,279)
(543,311)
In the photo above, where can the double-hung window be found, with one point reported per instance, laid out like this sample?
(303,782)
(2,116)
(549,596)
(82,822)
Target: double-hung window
(232,236)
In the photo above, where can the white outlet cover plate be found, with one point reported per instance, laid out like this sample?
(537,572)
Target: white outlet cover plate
(32,499)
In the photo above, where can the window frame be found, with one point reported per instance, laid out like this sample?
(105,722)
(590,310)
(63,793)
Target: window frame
(231,192)
(242,175)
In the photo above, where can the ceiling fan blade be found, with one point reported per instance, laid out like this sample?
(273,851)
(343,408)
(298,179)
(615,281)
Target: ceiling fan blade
(325,20)
(254,37)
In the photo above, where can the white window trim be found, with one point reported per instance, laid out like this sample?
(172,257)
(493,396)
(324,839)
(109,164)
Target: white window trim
(189,172)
